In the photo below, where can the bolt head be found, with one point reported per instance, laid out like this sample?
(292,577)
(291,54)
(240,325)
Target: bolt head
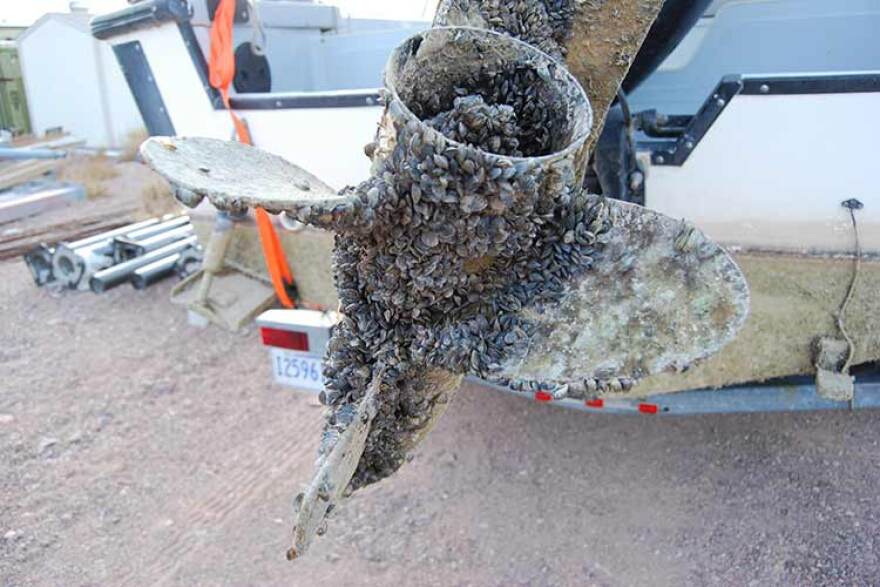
(636,179)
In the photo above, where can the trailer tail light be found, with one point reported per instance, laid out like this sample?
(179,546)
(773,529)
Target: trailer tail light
(285,339)
(648,408)
(297,339)
(542,396)
(595,403)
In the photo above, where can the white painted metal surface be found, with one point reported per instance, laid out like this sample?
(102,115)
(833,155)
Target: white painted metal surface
(772,171)
(186,101)
(762,37)
(310,47)
(328,142)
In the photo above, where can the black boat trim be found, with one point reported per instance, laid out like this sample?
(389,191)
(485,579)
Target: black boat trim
(838,83)
(147,97)
(139,16)
(277,101)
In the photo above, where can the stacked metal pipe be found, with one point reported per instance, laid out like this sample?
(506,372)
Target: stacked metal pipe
(141,253)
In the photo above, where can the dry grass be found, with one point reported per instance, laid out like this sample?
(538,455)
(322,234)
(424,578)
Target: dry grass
(157,199)
(91,172)
(132,143)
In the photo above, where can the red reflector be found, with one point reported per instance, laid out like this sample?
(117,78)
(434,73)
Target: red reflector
(595,403)
(542,396)
(285,339)
(648,408)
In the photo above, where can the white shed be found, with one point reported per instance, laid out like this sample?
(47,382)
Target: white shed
(73,81)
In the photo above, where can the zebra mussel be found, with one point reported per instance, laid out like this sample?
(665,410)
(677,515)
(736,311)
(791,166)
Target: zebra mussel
(545,24)
(474,211)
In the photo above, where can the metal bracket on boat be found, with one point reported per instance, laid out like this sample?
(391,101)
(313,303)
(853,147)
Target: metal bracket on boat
(678,151)
(136,69)
(139,15)
(684,133)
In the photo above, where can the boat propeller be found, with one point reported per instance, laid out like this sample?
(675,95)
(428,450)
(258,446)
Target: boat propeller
(473,249)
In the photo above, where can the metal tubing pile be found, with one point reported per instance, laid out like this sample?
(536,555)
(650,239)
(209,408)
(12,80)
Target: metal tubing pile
(141,254)
(30,162)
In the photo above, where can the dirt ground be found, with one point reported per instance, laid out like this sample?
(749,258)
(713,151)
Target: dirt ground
(138,450)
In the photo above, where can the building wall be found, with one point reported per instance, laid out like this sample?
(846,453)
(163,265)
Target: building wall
(73,82)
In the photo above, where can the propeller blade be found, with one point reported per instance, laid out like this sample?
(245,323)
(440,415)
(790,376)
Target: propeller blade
(661,295)
(334,472)
(235,176)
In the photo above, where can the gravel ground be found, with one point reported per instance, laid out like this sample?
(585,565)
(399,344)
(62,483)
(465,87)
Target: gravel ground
(138,450)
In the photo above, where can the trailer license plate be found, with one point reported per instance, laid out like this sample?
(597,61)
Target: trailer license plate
(297,370)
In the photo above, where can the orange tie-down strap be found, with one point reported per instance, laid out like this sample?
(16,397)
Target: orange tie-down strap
(276,261)
(221,68)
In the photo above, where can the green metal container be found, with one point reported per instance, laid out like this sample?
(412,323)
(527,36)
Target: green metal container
(13,102)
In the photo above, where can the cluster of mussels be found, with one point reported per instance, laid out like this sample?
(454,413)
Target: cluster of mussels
(473,122)
(545,24)
(516,92)
(457,234)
